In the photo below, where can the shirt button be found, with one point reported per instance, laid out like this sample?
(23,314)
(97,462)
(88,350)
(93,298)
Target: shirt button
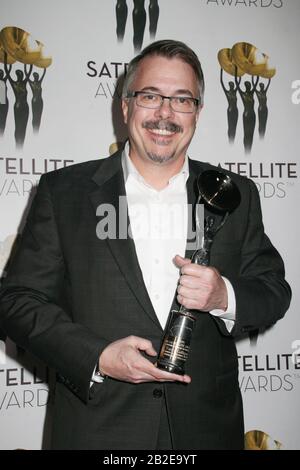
(156,261)
(157,393)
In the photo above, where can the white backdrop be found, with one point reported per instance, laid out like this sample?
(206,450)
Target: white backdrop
(79,122)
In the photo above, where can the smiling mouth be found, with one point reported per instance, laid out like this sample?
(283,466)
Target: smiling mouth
(162,128)
(162,132)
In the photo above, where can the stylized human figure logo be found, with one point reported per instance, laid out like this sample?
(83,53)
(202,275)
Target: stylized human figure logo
(4,103)
(249,117)
(153,17)
(139,18)
(21,108)
(17,45)
(244,58)
(37,100)
(139,23)
(3,100)
(121,15)
(262,108)
(232,110)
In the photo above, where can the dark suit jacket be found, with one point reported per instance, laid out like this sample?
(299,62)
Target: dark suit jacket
(68,295)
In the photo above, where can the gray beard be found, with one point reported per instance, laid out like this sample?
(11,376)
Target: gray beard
(159,158)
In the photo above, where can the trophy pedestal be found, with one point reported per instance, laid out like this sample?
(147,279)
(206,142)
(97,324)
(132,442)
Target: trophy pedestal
(176,342)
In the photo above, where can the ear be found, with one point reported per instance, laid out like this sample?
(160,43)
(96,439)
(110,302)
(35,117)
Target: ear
(125,109)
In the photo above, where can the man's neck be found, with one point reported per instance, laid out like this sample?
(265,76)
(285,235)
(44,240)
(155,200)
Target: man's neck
(157,175)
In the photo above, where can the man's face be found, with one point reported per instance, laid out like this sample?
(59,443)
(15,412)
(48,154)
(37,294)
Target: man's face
(161,136)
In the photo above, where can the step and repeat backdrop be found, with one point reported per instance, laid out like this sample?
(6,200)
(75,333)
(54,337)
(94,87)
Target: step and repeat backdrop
(61,70)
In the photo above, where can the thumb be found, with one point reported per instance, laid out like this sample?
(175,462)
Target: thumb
(179,261)
(150,351)
(146,346)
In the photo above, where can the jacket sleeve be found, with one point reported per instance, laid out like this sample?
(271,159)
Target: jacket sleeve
(262,293)
(30,312)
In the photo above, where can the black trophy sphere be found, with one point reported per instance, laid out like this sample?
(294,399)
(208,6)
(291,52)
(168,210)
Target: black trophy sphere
(218,191)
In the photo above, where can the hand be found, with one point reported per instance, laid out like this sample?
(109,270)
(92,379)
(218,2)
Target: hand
(200,287)
(122,360)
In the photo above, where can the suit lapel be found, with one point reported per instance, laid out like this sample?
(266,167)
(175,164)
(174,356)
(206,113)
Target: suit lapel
(110,181)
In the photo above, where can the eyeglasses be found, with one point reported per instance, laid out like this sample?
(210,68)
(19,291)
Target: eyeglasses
(179,104)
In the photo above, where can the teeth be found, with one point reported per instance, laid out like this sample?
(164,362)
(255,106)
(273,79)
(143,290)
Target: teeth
(161,132)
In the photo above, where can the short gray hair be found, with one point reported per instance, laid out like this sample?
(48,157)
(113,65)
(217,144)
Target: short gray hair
(166,48)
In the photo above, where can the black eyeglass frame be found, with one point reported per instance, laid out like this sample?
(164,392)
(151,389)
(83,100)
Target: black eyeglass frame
(134,94)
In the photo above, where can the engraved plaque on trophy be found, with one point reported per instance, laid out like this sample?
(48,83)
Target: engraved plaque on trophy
(219,193)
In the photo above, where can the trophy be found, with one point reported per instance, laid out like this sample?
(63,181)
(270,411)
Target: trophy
(221,196)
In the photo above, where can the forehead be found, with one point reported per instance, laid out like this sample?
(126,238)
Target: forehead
(165,73)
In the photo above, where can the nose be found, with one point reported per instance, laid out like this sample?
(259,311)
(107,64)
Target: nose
(165,110)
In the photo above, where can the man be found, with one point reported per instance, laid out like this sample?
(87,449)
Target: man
(82,301)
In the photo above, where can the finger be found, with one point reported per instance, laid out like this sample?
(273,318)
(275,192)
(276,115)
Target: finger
(190,303)
(150,351)
(148,372)
(177,378)
(164,376)
(141,369)
(186,292)
(144,345)
(189,281)
(196,270)
(180,262)
(187,378)
(142,378)
(145,371)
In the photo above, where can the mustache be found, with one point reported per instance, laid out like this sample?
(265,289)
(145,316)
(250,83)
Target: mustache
(163,126)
